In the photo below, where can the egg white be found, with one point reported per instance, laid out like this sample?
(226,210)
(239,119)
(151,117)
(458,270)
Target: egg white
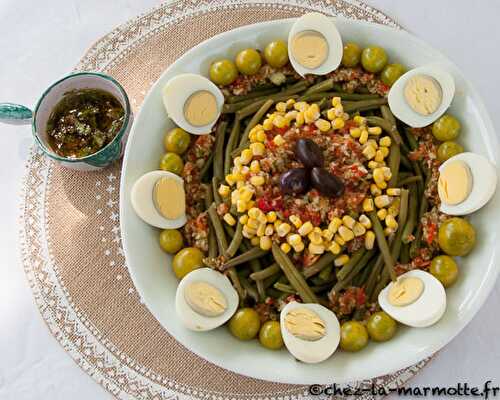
(324,25)
(141,197)
(176,92)
(426,310)
(402,110)
(484,183)
(308,351)
(195,321)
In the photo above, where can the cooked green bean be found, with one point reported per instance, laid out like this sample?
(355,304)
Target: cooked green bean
(254,121)
(343,96)
(235,107)
(268,282)
(322,86)
(293,275)
(235,242)
(220,136)
(403,215)
(235,280)
(229,230)
(273,269)
(325,260)
(410,138)
(352,270)
(409,180)
(231,143)
(252,95)
(393,163)
(215,190)
(284,288)
(360,279)
(254,107)
(404,258)
(374,276)
(206,167)
(219,230)
(325,273)
(362,105)
(353,261)
(250,289)
(259,283)
(405,162)
(382,244)
(412,216)
(253,253)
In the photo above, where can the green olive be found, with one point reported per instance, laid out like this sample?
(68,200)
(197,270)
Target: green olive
(245,324)
(374,59)
(446,128)
(381,326)
(187,260)
(172,162)
(445,269)
(223,72)
(391,73)
(353,336)
(448,149)
(351,55)
(456,237)
(276,54)
(270,335)
(171,240)
(248,61)
(176,140)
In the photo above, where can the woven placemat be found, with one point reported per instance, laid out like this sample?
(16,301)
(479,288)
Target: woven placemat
(70,224)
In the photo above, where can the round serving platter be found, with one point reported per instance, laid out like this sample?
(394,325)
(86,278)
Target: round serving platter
(156,283)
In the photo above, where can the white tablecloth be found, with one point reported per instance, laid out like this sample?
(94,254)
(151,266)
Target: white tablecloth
(42,40)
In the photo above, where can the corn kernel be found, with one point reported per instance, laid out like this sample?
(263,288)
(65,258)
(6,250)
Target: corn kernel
(334,225)
(391,222)
(248,232)
(255,166)
(269,230)
(246,192)
(295,220)
(355,132)
(327,234)
(224,190)
(258,149)
(291,115)
(359,120)
(252,136)
(335,248)
(368,205)
(385,141)
(267,125)
(299,119)
(301,106)
(348,221)
(345,233)
(246,156)
(262,218)
(382,185)
(363,138)
(244,170)
(378,175)
(359,229)
(336,101)
(389,231)
(250,204)
(369,152)
(290,103)
(229,219)
(338,123)
(394,207)
(337,238)
(374,130)
(300,247)
(278,140)
(231,179)
(240,184)
(261,136)
(382,213)
(316,248)
(285,247)
(383,201)
(261,230)
(369,240)
(294,239)
(306,228)
(330,114)
(280,122)
(372,142)
(384,151)
(315,237)
(341,260)
(365,221)
(241,206)
(375,190)
(283,229)
(255,241)
(257,180)
(243,219)
(312,113)
(281,106)
(387,173)
(323,125)
(271,216)
(277,223)
(266,243)
(393,191)
(253,223)
(254,213)
(379,156)
(373,164)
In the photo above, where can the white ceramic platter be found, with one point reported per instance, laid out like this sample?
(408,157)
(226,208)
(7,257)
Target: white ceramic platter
(156,284)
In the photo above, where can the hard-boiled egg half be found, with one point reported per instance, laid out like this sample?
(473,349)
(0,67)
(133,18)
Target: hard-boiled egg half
(193,102)
(158,198)
(205,299)
(422,95)
(466,182)
(416,299)
(314,45)
(311,332)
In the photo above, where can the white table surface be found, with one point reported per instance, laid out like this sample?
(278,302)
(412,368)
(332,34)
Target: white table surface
(42,40)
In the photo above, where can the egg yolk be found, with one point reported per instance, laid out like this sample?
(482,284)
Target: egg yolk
(423,94)
(305,324)
(205,299)
(200,108)
(455,183)
(310,49)
(169,198)
(405,291)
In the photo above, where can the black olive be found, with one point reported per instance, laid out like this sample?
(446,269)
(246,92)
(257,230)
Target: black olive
(309,153)
(295,181)
(326,183)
